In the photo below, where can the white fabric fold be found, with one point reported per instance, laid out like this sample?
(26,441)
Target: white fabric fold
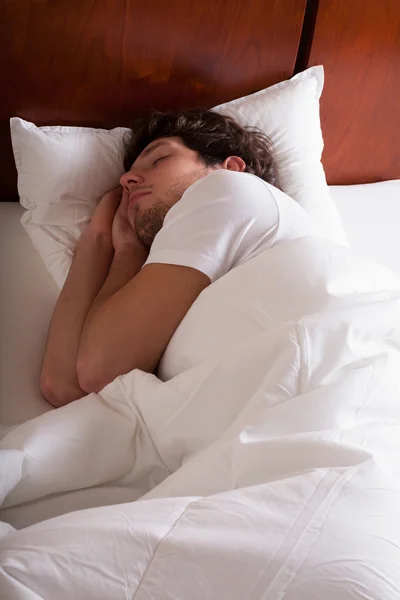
(269,470)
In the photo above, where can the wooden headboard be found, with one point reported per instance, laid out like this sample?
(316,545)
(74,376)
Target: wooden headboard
(358,42)
(103,62)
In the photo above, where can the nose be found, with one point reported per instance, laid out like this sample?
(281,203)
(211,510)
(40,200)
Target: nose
(131,177)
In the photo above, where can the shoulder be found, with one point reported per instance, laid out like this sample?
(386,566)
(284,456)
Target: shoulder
(229,183)
(226,191)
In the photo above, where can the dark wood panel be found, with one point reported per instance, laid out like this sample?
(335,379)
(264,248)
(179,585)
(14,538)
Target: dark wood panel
(103,62)
(358,42)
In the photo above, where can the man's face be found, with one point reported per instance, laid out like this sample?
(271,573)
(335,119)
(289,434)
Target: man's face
(156,181)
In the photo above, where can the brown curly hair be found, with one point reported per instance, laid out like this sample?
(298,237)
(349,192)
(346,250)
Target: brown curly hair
(212,135)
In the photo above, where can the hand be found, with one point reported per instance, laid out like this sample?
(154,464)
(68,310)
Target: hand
(103,216)
(123,234)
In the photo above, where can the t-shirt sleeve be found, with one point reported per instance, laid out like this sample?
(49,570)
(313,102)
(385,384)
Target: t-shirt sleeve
(220,222)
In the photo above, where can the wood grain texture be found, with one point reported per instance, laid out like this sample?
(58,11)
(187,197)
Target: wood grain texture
(358,42)
(103,62)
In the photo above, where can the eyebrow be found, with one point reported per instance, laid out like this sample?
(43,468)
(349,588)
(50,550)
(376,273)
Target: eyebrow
(147,151)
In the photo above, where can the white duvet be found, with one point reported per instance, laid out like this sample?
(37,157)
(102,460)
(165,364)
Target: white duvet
(268,469)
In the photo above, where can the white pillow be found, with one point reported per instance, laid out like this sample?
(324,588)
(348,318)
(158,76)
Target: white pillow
(288,113)
(63,171)
(62,174)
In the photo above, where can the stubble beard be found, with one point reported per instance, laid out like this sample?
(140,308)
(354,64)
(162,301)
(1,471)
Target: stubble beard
(148,222)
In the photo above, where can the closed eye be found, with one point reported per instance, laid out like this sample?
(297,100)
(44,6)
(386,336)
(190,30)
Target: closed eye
(158,159)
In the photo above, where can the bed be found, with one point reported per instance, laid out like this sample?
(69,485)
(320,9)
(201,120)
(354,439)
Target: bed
(290,490)
(370,213)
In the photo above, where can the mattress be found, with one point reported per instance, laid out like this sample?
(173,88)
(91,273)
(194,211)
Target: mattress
(370,213)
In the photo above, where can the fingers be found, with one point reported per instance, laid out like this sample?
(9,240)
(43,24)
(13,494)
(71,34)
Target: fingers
(108,205)
(124,202)
(119,189)
(114,197)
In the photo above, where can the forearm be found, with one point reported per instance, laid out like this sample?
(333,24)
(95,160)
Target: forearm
(91,263)
(125,266)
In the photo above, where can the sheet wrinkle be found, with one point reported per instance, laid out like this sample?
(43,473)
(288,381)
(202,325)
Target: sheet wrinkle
(340,483)
(143,426)
(280,438)
(32,595)
(302,338)
(363,400)
(272,578)
(194,391)
(339,480)
(164,537)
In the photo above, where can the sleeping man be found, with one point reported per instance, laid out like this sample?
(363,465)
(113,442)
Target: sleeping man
(199,198)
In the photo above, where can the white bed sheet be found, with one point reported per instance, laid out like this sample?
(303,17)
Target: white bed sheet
(271,468)
(28,295)
(371,214)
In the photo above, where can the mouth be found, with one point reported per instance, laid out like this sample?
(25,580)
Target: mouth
(135,197)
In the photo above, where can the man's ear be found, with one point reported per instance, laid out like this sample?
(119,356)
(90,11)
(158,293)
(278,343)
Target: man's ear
(234,163)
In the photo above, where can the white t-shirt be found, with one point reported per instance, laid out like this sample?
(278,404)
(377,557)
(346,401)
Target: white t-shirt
(224,220)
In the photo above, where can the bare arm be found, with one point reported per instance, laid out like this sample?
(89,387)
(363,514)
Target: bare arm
(129,257)
(133,327)
(91,263)
(136,312)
